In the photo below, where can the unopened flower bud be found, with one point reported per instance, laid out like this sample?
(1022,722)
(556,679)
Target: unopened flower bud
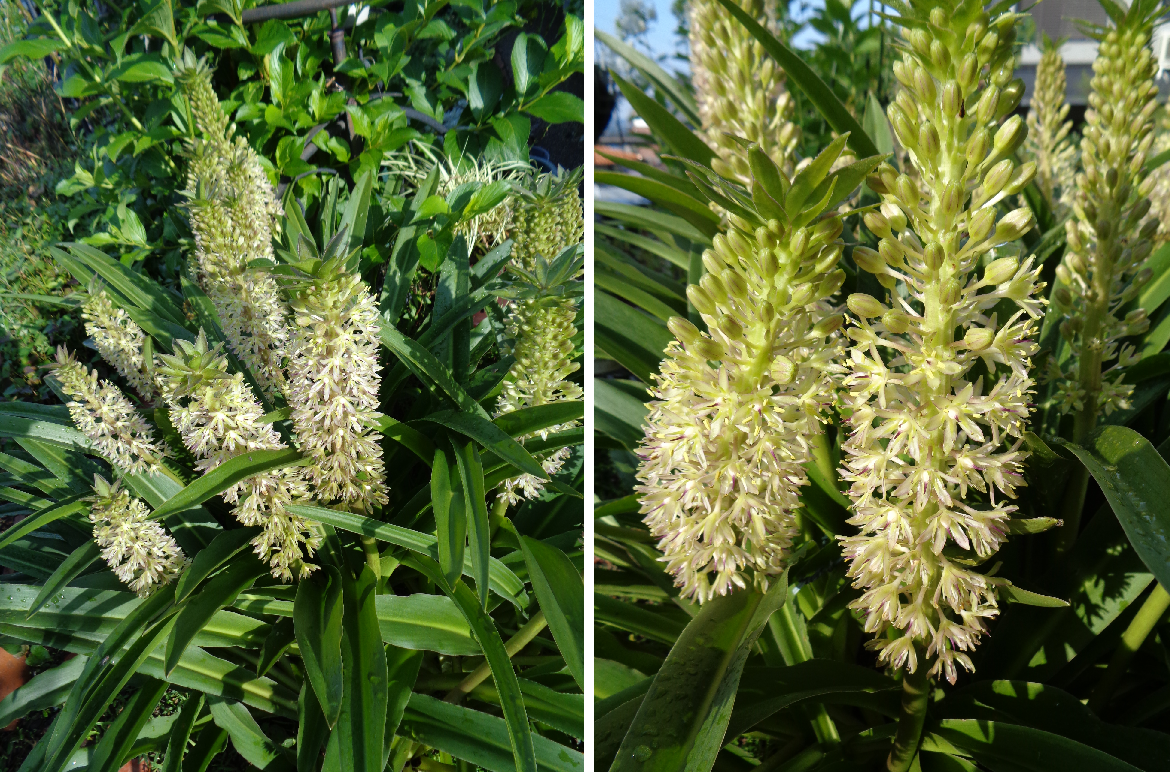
(979,338)
(783,370)
(878,225)
(1014,225)
(700,299)
(868,260)
(1001,270)
(1010,135)
(896,321)
(933,255)
(866,306)
(682,329)
(981,224)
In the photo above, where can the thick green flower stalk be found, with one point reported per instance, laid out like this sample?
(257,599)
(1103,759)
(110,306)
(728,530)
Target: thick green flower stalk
(1110,237)
(542,324)
(103,414)
(218,418)
(233,213)
(139,550)
(333,386)
(548,216)
(726,443)
(1048,143)
(740,89)
(118,339)
(933,450)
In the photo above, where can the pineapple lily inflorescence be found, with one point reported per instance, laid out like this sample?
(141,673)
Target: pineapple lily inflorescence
(740,89)
(547,217)
(1048,141)
(546,265)
(233,213)
(541,323)
(938,386)
(1110,235)
(737,406)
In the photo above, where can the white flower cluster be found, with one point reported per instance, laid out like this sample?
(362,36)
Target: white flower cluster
(233,213)
(118,339)
(103,414)
(728,431)
(139,550)
(933,451)
(333,387)
(219,419)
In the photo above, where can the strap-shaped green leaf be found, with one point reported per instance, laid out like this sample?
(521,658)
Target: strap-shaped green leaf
(681,140)
(651,220)
(503,673)
(223,548)
(181,732)
(362,724)
(317,617)
(475,502)
(226,475)
(198,609)
(1136,480)
(248,738)
(142,292)
(479,738)
(765,691)
(491,436)
(1024,748)
(72,567)
(532,419)
(424,365)
(120,735)
(44,690)
(655,74)
(65,507)
(561,593)
(683,719)
(449,504)
(502,580)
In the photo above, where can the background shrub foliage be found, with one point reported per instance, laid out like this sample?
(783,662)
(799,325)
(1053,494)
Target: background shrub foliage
(472,80)
(1072,670)
(387,161)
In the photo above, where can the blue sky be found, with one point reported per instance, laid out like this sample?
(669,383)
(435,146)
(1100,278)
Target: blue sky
(661,35)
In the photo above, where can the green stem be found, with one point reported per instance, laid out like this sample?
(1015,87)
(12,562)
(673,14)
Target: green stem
(1132,639)
(522,638)
(795,649)
(915,695)
(373,558)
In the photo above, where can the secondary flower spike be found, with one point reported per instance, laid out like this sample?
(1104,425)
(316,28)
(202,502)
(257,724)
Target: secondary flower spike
(233,214)
(739,88)
(139,550)
(734,409)
(219,419)
(103,414)
(1048,143)
(547,217)
(542,324)
(933,449)
(1110,236)
(118,339)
